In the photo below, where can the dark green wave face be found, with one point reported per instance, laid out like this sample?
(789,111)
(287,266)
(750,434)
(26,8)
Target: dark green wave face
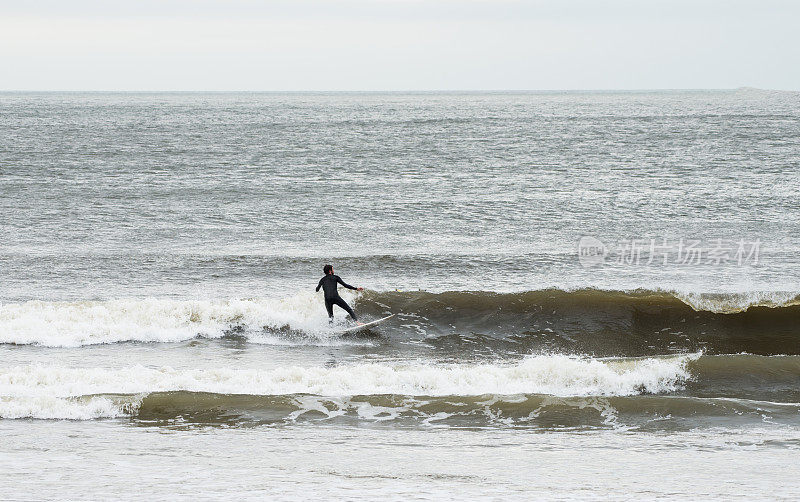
(602,323)
(646,413)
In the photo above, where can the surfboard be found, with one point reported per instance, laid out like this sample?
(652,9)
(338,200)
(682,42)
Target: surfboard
(366,325)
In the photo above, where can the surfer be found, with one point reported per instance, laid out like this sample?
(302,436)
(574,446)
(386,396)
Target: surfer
(329,286)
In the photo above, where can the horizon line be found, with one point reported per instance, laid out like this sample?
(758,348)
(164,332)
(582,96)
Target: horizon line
(398,91)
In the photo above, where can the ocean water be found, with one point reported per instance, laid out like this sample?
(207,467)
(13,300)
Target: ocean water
(597,295)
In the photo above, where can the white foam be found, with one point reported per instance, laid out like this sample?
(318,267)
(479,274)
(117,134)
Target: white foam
(50,407)
(73,324)
(737,301)
(61,392)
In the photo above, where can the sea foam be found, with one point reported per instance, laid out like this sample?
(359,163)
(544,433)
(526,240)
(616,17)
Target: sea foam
(73,324)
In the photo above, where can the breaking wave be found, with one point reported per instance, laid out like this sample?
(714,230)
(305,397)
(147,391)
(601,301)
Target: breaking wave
(553,392)
(73,324)
(84,393)
(598,322)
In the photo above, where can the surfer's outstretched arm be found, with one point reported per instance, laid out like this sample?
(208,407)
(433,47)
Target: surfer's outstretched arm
(319,285)
(340,281)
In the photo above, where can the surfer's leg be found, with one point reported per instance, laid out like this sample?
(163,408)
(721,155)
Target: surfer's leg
(329,308)
(345,306)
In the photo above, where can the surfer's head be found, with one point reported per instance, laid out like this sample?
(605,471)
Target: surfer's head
(328,269)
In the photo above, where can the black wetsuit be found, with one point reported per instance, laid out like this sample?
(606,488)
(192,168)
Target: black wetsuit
(328,285)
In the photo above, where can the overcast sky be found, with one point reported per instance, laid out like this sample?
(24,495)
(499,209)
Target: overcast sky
(398,44)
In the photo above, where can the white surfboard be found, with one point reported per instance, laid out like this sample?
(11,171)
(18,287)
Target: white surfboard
(366,325)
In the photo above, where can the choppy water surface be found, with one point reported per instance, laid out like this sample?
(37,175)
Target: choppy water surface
(158,319)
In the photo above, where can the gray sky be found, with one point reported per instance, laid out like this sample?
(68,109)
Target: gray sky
(398,44)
